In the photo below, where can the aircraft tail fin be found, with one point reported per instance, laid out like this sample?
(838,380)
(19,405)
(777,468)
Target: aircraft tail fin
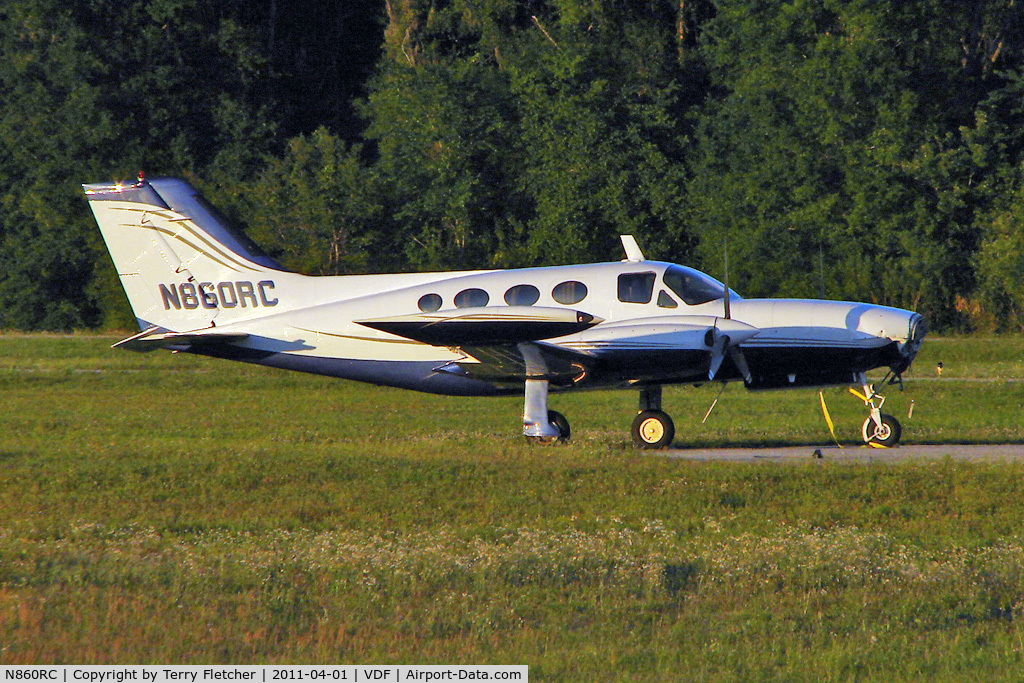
(181,265)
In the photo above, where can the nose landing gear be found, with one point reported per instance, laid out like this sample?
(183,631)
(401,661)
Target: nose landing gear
(879,429)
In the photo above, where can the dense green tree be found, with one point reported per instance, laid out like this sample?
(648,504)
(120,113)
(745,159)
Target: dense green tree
(443,139)
(513,134)
(597,93)
(94,89)
(996,146)
(315,209)
(848,149)
(49,121)
(832,157)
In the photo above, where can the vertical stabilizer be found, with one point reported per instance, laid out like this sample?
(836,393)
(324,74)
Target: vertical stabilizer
(181,265)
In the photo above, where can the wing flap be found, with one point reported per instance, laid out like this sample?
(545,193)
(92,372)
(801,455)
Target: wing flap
(526,360)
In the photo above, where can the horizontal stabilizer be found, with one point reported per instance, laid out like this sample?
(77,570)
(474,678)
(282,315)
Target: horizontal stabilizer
(485,325)
(154,338)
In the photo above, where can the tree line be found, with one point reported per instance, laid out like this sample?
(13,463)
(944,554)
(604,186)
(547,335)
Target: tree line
(868,150)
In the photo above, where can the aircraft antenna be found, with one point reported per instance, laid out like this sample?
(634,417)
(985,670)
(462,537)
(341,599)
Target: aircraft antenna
(728,311)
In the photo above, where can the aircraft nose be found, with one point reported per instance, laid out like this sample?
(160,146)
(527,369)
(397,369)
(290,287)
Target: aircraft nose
(906,328)
(915,335)
(918,328)
(890,323)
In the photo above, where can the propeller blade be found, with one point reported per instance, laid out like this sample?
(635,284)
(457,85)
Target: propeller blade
(718,354)
(740,362)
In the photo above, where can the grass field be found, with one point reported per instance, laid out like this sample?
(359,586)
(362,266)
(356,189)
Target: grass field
(172,509)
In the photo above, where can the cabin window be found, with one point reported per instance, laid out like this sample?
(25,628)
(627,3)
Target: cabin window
(692,286)
(429,302)
(570,292)
(471,298)
(665,300)
(636,288)
(522,295)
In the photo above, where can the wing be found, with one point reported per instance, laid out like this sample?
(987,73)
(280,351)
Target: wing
(487,325)
(666,349)
(567,347)
(622,353)
(154,338)
(505,341)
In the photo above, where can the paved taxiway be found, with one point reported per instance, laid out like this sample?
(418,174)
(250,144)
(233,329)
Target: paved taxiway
(854,454)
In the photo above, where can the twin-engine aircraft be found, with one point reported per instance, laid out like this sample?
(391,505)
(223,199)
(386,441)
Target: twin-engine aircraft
(197,286)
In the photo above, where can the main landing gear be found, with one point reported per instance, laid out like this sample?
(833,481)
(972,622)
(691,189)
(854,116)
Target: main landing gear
(652,427)
(879,429)
(539,423)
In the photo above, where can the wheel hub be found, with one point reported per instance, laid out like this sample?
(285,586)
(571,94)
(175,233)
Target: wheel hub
(652,430)
(882,432)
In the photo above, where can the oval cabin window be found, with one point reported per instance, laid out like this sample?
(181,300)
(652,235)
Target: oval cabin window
(471,298)
(522,295)
(570,292)
(429,302)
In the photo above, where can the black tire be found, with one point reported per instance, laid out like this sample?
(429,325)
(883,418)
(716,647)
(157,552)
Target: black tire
(653,429)
(560,423)
(887,435)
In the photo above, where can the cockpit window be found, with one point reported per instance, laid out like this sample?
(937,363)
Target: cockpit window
(692,286)
(522,295)
(636,288)
(471,298)
(665,300)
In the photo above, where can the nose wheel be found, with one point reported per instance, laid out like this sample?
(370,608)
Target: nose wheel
(887,433)
(879,429)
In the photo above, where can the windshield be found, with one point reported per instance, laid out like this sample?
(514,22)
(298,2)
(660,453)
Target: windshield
(692,286)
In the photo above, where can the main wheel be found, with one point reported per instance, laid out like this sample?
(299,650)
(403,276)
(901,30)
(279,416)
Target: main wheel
(653,429)
(560,423)
(888,434)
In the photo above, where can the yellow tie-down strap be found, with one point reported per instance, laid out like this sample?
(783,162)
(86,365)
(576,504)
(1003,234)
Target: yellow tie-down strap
(831,425)
(828,418)
(857,394)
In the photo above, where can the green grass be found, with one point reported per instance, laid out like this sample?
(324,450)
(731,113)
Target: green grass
(170,509)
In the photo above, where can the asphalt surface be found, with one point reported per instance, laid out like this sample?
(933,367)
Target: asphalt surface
(854,454)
